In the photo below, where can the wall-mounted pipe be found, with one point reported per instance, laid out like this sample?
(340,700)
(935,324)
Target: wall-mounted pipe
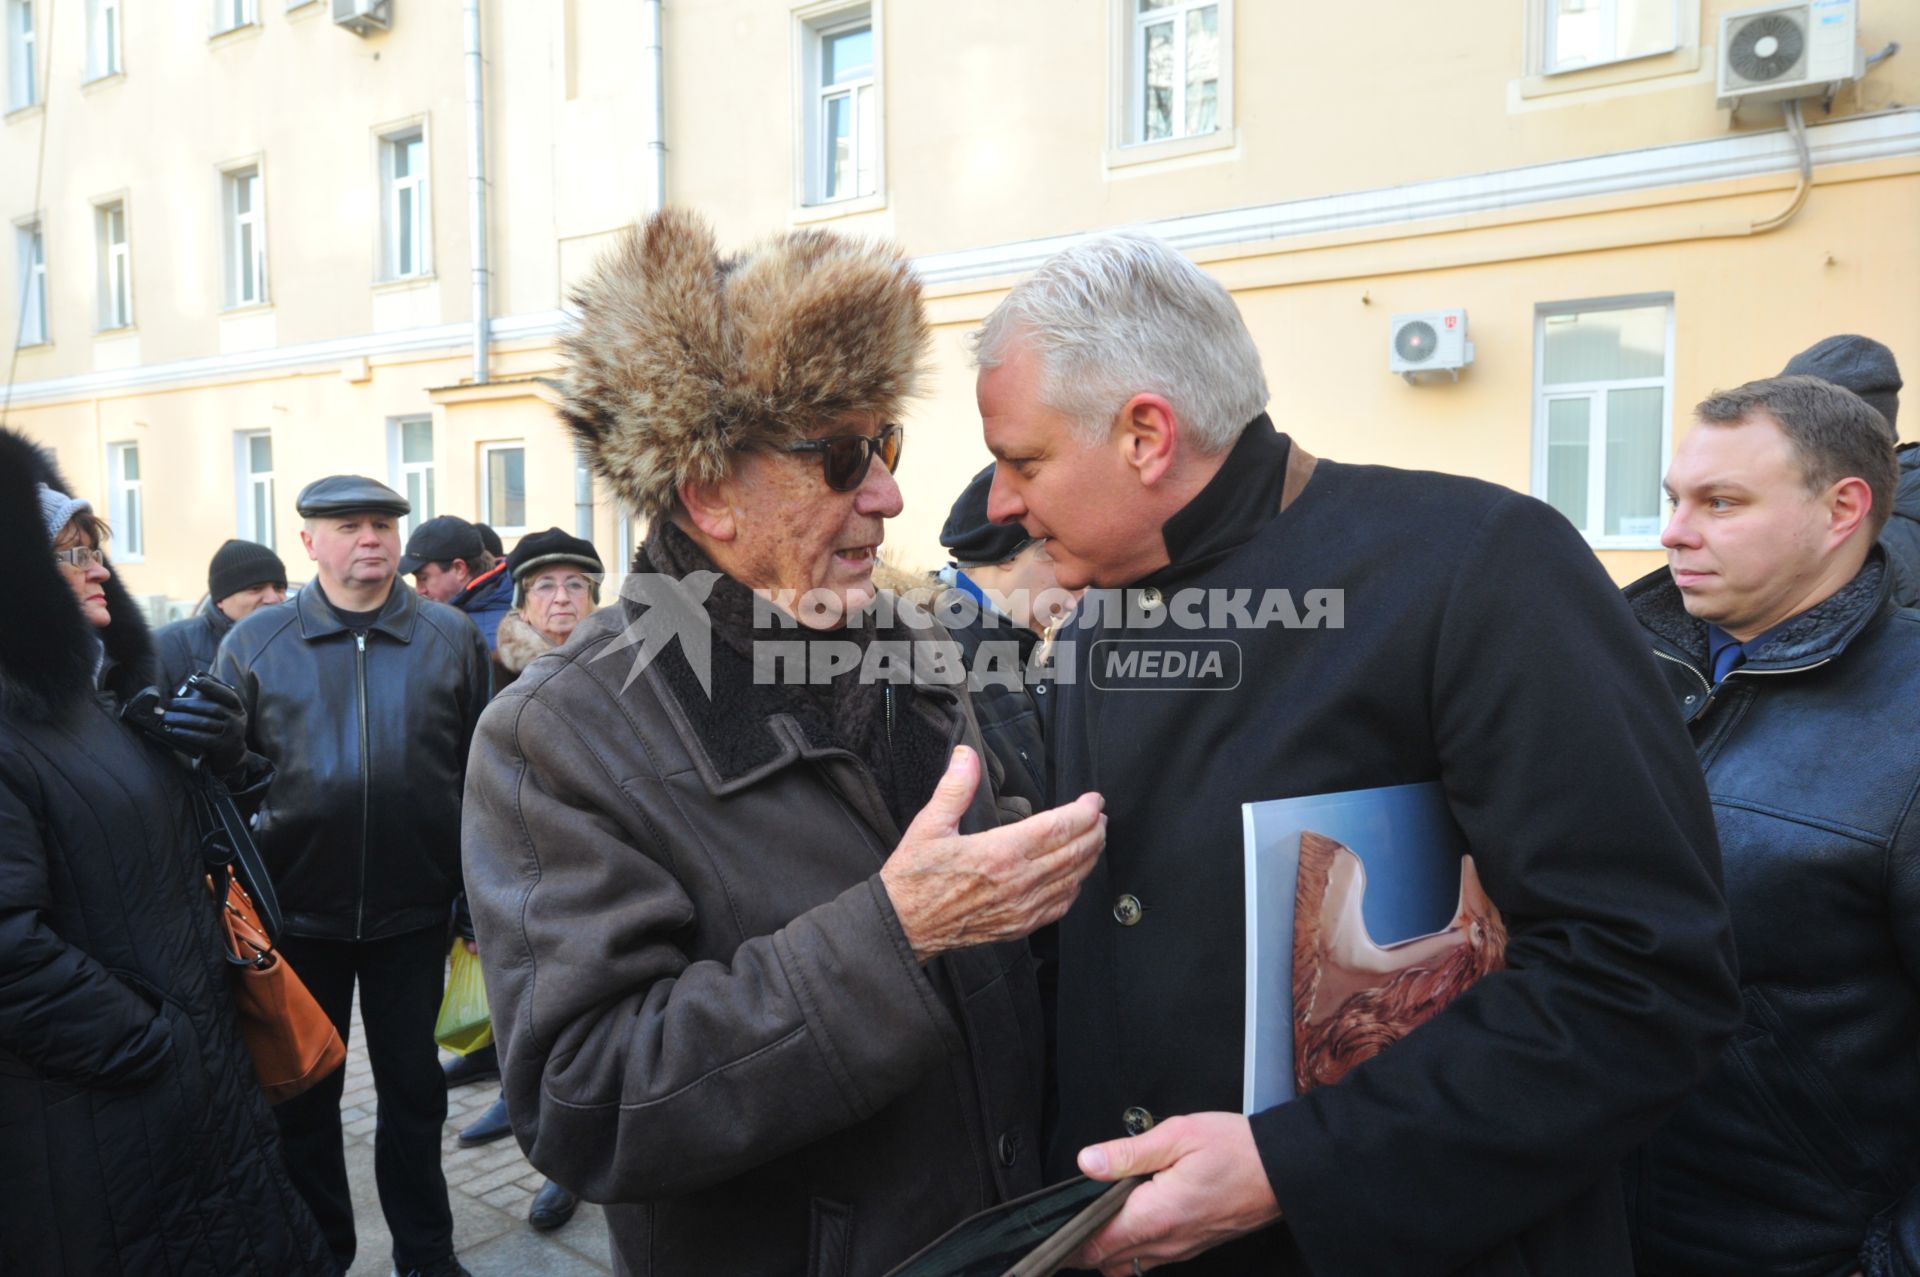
(477,191)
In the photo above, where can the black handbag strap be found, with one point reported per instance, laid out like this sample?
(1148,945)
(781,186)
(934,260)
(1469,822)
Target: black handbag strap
(229,848)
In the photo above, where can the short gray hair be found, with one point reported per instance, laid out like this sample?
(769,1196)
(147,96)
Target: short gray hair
(1123,314)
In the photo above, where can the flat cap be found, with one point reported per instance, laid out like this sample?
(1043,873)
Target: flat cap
(970,537)
(442,540)
(348,494)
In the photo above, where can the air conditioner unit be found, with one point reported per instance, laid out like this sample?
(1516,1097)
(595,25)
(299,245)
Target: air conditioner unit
(363,17)
(1430,341)
(1797,49)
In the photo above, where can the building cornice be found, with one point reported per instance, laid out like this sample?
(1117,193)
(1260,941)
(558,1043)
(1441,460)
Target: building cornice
(1858,139)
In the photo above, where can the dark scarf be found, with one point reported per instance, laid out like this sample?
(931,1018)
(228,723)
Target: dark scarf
(847,712)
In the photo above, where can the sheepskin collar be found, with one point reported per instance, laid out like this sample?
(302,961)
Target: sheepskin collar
(47,651)
(517,643)
(1816,635)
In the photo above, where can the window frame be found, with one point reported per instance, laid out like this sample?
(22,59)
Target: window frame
(106,40)
(247,481)
(1596,393)
(401,469)
(814,24)
(235,15)
(114,261)
(1546,20)
(234,222)
(23,55)
(421,221)
(485,503)
(1126,76)
(30,257)
(126,502)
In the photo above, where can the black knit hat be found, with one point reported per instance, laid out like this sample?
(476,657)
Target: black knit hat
(1860,364)
(239,564)
(970,537)
(490,539)
(546,549)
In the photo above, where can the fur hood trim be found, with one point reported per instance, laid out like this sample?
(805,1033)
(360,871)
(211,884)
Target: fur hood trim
(47,656)
(516,643)
(683,358)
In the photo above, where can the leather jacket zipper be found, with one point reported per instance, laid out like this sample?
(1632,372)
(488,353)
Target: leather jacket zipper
(366,780)
(1712,690)
(888,692)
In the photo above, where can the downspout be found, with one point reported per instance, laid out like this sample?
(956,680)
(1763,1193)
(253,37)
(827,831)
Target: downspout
(656,108)
(477,190)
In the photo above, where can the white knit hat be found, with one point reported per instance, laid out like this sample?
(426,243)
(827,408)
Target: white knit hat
(58,509)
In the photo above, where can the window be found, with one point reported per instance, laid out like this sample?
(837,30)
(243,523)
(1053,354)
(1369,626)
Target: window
(246,237)
(32,248)
(1587,33)
(1175,65)
(503,487)
(582,499)
(254,465)
(103,38)
(839,106)
(116,266)
(411,449)
(124,506)
(231,15)
(1601,417)
(403,160)
(23,84)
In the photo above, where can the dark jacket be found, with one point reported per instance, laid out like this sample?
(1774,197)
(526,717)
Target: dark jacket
(1800,1157)
(361,830)
(486,599)
(1478,644)
(188,646)
(134,1138)
(1901,536)
(708,1015)
(1006,707)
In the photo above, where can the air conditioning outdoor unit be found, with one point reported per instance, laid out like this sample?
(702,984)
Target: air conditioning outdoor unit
(363,17)
(1430,341)
(1796,49)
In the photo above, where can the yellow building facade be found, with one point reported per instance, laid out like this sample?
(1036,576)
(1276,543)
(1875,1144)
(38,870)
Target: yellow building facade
(250,260)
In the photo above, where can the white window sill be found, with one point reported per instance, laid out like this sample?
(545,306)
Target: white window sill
(1172,148)
(104,80)
(230,35)
(246,308)
(505,531)
(116,330)
(44,343)
(1626,543)
(830,209)
(118,559)
(27,112)
(400,283)
(1605,75)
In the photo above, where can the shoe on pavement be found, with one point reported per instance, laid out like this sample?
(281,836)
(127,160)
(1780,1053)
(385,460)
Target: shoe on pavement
(552,1207)
(476,1067)
(448,1267)
(492,1125)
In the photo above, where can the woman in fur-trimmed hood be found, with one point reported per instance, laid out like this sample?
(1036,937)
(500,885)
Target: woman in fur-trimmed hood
(740,994)
(136,1138)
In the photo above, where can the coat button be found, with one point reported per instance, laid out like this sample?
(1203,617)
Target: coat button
(1009,1150)
(1126,910)
(1149,599)
(1039,689)
(1137,1120)
(1692,699)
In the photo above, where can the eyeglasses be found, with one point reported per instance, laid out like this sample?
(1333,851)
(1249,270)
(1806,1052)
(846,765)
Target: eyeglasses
(845,458)
(80,556)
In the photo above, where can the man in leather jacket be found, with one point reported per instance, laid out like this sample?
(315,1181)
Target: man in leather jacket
(1797,676)
(365,696)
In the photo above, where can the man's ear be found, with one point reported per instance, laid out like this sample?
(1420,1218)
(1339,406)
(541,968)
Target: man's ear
(1148,435)
(306,539)
(1849,502)
(709,510)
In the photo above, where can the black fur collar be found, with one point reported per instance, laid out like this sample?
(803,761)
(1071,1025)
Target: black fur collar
(47,660)
(1820,632)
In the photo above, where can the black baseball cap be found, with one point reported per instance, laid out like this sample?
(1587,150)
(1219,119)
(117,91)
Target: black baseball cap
(440,540)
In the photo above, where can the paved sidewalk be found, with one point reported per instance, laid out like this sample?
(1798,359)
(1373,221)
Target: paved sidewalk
(490,1188)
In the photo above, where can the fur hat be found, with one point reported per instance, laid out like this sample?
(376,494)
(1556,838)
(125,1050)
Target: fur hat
(683,358)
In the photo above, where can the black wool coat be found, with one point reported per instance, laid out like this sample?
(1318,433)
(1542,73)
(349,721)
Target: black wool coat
(1482,646)
(134,1138)
(188,646)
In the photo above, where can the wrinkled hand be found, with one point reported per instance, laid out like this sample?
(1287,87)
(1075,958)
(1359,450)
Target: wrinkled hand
(952,890)
(1208,1187)
(210,723)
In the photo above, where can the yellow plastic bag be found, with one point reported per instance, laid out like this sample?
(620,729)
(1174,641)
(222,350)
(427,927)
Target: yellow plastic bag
(465,1024)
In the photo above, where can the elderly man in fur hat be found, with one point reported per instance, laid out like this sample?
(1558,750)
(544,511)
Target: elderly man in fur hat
(755,948)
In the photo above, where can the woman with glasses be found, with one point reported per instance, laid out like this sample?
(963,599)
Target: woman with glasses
(134,1137)
(556,585)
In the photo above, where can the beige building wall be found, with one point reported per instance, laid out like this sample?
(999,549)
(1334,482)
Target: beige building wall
(1366,167)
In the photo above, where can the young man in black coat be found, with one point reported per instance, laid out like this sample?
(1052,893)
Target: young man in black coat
(243,577)
(1390,627)
(1782,648)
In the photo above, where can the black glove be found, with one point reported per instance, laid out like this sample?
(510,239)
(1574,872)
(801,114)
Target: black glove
(208,722)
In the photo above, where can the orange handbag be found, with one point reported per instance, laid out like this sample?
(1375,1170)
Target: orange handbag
(293,1043)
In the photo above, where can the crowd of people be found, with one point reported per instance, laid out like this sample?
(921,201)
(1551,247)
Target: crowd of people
(794,964)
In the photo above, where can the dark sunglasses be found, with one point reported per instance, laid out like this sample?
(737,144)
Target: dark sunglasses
(845,458)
